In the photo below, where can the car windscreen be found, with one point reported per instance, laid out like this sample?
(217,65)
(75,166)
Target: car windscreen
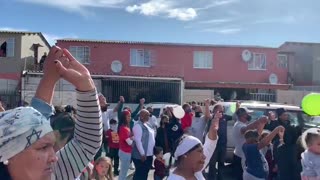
(295,117)
(156,112)
(313,122)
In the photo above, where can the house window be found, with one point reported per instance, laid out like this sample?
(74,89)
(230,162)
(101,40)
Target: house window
(81,53)
(258,62)
(140,57)
(282,61)
(7,47)
(202,59)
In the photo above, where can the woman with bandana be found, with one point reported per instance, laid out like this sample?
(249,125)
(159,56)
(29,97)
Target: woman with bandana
(27,139)
(192,157)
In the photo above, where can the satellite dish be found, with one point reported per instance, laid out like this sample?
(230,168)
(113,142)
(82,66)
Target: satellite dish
(273,79)
(116,66)
(246,55)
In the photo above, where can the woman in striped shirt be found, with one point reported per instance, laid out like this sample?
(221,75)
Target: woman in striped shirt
(26,138)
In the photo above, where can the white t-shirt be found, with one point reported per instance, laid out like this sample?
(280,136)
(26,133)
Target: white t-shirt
(208,149)
(198,126)
(137,131)
(153,122)
(238,138)
(106,117)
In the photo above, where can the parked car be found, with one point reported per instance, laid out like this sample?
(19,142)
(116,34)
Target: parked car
(296,116)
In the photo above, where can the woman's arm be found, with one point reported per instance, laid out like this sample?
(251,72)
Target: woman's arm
(267,140)
(1,107)
(211,140)
(44,93)
(140,106)
(137,131)
(50,77)
(75,155)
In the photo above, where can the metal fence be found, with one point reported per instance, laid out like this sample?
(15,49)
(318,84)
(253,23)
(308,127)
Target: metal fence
(267,97)
(10,99)
(135,89)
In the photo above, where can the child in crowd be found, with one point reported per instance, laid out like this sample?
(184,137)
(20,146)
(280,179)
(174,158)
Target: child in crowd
(159,164)
(311,156)
(256,164)
(268,154)
(113,144)
(102,169)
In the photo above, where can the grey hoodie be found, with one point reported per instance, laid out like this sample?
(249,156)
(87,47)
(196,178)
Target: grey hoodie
(310,164)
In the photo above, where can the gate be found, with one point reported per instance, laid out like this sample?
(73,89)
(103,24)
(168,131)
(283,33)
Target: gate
(10,99)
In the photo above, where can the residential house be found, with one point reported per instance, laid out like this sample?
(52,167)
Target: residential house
(303,62)
(156,70)
(18,52)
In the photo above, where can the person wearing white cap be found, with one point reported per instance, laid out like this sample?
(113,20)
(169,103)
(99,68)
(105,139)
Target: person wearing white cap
(27,139)
(192,157)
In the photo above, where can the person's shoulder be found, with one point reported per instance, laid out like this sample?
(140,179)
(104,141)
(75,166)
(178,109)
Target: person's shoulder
(109,111)
(173,176)
(123,128)
(250,146)
(239,124)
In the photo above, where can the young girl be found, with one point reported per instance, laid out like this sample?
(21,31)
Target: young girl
(311,156)
(256,164)
(268,154)
(102,169)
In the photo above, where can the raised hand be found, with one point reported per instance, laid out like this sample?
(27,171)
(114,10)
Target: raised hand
(207,102)
(217,115)
(50,73)
(264,119)
(121,99)
(238,104)
(142,101)
(74,72)
(1,107)
(280,130)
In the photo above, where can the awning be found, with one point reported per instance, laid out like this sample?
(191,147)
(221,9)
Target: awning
(242,85)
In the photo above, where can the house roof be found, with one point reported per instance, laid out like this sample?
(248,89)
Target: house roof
(26,33)
(158,43)
(299,43)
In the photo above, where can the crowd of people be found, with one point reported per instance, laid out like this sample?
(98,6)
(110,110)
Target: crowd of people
(92,142)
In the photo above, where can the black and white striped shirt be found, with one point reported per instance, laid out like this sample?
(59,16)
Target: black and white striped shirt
(75,156)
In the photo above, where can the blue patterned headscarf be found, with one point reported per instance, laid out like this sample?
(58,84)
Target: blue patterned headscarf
(19,129)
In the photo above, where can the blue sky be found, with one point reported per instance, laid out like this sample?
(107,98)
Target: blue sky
(237,22)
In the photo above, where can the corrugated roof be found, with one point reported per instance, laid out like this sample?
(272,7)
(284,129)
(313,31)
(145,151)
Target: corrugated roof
(157,43)
(27,32)
(301,43)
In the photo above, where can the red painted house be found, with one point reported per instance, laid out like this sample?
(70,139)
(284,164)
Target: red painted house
(226,69)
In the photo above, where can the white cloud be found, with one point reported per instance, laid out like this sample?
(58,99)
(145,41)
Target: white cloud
(217,3)
(223,30)
(285,20)
(183,14)
(78,5)
(216,21)
(11,29)
(164,8)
